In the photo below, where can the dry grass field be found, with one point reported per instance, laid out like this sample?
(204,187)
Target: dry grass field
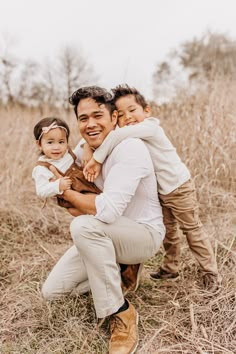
(174,317)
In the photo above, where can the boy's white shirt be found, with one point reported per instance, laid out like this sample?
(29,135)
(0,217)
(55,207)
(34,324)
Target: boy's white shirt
(170,171)
(42,175)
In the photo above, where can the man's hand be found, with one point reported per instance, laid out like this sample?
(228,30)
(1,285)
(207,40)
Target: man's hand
(84,203)
(92,170)
(74,212)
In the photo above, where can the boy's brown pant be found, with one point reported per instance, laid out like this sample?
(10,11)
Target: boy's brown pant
(180,207)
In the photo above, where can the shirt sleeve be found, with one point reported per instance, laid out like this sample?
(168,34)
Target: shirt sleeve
(144,130)
(45,188)
(128,166)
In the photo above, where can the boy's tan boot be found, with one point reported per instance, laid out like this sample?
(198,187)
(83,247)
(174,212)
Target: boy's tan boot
(212,283)
(124,331)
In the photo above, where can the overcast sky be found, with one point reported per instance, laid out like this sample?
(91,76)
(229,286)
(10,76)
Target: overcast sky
(122,39)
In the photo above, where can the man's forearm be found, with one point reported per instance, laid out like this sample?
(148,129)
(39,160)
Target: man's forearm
(85,203)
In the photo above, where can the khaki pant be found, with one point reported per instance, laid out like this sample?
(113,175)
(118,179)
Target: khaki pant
(180,207)
(93,260)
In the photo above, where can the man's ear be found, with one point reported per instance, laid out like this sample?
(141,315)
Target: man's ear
(114,117)
(147,111)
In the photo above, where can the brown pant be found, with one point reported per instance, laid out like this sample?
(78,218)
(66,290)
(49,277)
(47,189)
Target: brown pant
(180,207)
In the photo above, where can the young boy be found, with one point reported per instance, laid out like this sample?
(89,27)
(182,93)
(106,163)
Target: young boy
(175,187)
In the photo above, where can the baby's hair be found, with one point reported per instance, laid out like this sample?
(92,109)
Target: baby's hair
(124,90)
(46,122)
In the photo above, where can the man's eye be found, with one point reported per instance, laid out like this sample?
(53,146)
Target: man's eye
(120,115)
(98,115)
(132,110)
(83,119)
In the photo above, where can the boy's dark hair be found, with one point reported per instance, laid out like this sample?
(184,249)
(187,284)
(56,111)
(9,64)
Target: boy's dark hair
(46,122)
(124,90)
(99,94)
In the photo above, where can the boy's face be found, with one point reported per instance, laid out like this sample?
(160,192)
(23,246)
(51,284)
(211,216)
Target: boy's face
(130,112)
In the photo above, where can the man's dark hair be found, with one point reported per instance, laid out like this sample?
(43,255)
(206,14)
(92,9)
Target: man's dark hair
(124,90)
(46,122)
(99,94)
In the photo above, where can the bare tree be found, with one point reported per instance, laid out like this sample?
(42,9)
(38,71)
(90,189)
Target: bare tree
(7,70)
(31,88)
(33,84)
(197,63)
(8,66)
(75,71)
(51,87)
(212,54)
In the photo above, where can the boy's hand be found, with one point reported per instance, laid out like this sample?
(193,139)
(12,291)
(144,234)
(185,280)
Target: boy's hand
(87,154)
(64,184)
(92,170)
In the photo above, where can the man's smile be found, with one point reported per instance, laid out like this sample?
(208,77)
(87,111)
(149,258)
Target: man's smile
(95,133)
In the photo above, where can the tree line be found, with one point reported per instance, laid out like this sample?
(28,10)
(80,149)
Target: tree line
(196,63)
(33,84)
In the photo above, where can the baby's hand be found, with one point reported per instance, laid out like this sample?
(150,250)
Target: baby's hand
(92,170)
(64,184)
(86,155)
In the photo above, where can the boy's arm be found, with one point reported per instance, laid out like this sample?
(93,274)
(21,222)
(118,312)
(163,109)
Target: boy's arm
(144,130)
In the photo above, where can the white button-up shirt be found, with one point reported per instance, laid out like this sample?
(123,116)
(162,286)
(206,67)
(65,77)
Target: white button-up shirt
(129,186)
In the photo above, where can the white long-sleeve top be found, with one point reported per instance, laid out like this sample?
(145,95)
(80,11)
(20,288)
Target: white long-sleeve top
(42,175)
(170,171)
(129,186)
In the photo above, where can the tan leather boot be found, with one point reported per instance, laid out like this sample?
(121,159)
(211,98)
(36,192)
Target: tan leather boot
(124,331)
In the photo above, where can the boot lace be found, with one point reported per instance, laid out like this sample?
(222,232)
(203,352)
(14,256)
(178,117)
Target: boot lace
(117,323)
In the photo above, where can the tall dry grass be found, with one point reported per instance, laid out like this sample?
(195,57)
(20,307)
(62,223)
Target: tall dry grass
(174,317)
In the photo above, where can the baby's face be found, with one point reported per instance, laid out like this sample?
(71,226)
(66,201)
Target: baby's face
(54,143)
(129,111)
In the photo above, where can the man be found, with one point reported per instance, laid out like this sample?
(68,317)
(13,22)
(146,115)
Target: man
(122,225)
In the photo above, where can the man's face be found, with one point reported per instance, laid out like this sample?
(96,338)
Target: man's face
(95,121)
(129,111)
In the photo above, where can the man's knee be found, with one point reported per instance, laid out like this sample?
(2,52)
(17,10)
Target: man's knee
(82,227)
(47,292)
(51,291)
